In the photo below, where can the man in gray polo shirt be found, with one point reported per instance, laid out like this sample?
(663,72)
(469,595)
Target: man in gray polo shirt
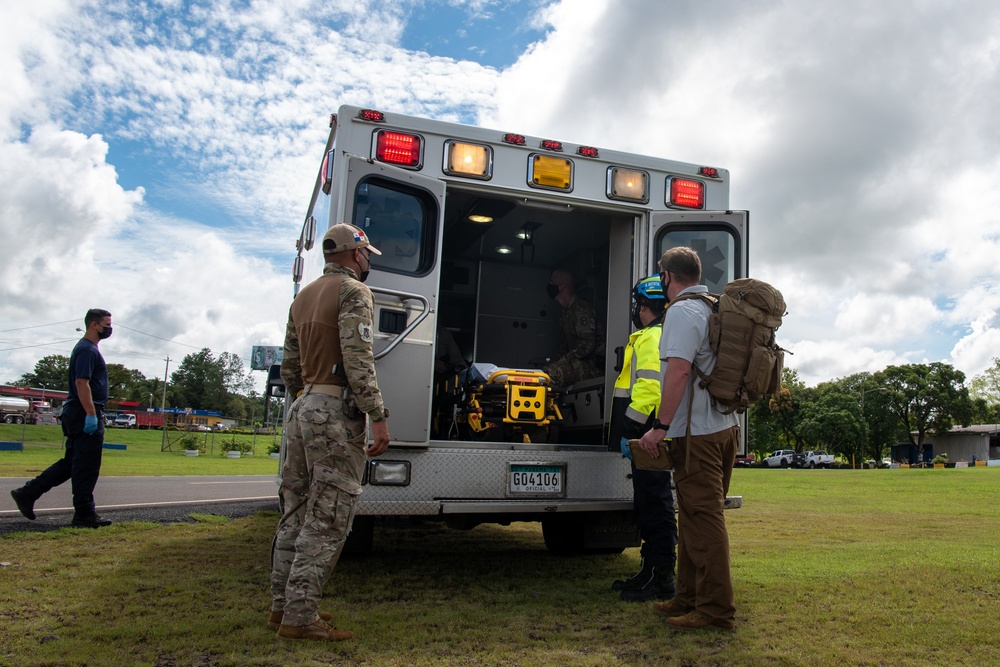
(703,456)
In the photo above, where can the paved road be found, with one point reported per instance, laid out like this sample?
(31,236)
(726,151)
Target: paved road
(158,499)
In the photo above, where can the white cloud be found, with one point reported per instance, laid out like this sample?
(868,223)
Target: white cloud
(861,137)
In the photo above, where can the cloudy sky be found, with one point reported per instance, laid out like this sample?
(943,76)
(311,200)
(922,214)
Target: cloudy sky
(156,157)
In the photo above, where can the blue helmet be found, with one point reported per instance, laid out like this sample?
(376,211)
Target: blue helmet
(649,288)
(648,292)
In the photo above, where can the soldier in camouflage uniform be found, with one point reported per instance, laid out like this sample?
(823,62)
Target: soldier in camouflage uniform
(328,364)
(581,342)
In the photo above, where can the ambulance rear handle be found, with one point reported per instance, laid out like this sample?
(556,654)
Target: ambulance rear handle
(403,297)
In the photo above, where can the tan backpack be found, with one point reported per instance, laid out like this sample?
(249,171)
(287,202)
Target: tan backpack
(741,331)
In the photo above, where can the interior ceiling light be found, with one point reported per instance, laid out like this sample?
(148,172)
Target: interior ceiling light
(482,219)
(504,249)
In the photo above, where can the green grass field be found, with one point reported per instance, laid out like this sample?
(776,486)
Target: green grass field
(142,456)
(864,567)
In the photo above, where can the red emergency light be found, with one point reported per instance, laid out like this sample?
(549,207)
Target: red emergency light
(687,193)
(516,139)
(398,148)
(372,115)
(550,145)
(587,151)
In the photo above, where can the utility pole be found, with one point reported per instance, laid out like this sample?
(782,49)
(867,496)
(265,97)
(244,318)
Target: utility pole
(163,407)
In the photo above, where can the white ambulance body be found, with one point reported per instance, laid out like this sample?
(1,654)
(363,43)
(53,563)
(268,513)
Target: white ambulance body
(471,222)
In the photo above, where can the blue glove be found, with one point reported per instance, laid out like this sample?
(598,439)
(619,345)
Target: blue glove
(626,450)
(90,425)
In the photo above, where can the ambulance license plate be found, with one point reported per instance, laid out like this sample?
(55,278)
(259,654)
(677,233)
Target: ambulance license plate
(535,479)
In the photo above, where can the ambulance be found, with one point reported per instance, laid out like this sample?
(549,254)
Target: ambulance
(471,223)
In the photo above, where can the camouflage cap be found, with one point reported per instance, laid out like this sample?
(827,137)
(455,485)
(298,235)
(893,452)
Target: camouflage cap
(343,236)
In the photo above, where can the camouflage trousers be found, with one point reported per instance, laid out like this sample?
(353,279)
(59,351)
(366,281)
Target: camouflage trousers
(565,371)
(320,484)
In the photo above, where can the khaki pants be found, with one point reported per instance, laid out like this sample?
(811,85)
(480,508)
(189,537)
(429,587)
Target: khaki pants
(702,481)
(321,481)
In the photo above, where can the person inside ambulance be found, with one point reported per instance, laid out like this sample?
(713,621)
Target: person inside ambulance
(579,344)
(633,411)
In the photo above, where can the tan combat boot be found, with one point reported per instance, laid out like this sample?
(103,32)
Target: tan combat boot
(274,619)
(318,631)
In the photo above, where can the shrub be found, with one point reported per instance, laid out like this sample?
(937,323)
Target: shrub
(235,444)
(192,441)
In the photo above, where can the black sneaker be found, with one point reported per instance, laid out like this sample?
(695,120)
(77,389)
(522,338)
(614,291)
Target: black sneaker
(25,505)
(92,521)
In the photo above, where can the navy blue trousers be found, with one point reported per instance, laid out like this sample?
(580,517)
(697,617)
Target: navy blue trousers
(654,512)
(81,463)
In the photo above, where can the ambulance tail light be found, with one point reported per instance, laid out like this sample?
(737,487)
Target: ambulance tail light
(628,185)
(553,173)
(468,160)
(686,193)
(398,148)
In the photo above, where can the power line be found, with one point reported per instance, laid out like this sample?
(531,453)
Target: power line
(39,326)
(22,347)
(193,347)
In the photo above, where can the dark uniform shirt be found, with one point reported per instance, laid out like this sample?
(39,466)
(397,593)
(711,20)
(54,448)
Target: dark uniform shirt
(86,361)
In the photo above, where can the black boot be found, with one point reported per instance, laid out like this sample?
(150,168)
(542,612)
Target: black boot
(637,580)
(89,521)
(659,587)
(25,503)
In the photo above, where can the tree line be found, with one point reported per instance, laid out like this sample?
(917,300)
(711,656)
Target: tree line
(202,381)
(862,415)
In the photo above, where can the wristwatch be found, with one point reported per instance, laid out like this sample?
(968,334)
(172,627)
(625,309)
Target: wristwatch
(660,425)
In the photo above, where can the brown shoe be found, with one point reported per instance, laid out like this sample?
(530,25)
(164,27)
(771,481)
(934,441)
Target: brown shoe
(318,631)
(672,607)
(696,620)
(274,619)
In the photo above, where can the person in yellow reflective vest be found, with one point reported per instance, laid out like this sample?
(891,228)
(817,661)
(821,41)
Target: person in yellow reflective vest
(634,407)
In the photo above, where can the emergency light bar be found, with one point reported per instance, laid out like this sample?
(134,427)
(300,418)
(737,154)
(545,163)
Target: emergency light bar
(685,193)
(398,148)
(554,173)
(628,185)
(468,160)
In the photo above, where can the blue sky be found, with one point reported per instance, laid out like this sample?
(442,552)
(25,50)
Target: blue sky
(156,156)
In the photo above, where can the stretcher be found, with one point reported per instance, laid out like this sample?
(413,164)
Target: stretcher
(492,404)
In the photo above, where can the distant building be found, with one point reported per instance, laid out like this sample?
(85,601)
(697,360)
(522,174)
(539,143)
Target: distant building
(961,443)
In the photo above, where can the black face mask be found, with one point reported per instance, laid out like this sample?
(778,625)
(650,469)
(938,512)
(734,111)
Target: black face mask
(636,322)
(552,290)
(105,333)
(665,282)
(364,274)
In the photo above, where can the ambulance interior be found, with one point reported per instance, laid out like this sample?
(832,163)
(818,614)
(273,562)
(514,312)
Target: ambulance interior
(497,258)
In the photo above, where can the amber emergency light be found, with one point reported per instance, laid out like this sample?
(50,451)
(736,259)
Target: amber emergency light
(548,171)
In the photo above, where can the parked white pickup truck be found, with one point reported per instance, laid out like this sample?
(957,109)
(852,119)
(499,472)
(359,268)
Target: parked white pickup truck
(781,458)
(817,459)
